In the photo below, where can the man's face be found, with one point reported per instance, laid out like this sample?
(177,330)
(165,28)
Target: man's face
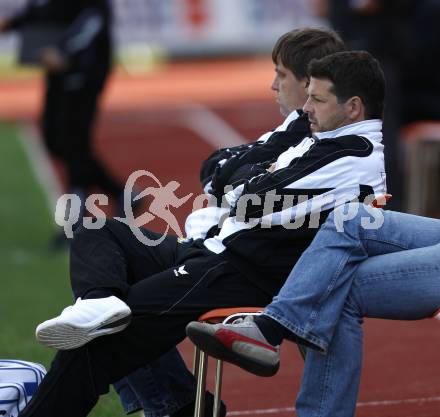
(291,92)
(322,107)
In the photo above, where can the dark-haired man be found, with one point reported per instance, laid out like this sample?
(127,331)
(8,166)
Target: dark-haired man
(291,55)
(77,62)
(246,262)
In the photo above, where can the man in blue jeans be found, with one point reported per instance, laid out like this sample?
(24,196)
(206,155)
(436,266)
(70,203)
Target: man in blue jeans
(378,264)
(166,386)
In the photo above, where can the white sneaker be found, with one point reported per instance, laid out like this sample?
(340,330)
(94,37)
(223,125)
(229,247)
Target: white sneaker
(82,322)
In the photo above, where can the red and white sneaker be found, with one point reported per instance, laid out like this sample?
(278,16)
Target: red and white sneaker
(436,315)
(240,343)
(82,322)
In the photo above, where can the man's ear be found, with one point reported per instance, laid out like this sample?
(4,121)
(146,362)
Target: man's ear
(355,108)
(305,82)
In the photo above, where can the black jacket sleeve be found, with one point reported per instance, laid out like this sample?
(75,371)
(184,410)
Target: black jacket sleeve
(322,153)
(261,155)
(90,23)
(210,164)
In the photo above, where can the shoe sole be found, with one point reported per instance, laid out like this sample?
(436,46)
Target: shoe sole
(213,347)
(64,336)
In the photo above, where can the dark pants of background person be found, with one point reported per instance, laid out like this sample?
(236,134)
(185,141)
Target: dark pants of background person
(69,113)
(163,300)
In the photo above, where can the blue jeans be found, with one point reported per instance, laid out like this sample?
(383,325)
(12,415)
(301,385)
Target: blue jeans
(160,388)
(391,272)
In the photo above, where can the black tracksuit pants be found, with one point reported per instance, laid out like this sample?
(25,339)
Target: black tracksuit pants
(67,122)
(163,299)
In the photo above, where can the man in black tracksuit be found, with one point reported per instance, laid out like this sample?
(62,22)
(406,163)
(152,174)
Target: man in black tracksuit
(245,263)
(77,66)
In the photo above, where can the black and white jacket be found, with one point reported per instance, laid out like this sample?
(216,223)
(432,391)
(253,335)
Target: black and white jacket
(232,167)
(244,162)
(261,236)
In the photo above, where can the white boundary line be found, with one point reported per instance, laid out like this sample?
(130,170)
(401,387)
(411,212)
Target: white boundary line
(205,123)
(210,127)
(384,403)
(40,164)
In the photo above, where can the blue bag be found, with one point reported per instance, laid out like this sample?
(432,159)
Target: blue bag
(12,399)
(18,382)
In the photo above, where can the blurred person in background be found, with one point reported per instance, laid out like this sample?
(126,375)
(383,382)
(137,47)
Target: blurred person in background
(77,66)
(77,63)
(405,36)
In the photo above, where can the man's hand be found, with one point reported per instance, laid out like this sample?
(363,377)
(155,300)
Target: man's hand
(366,7)
(272,167)
(320,8)
(4,24)
(52,59)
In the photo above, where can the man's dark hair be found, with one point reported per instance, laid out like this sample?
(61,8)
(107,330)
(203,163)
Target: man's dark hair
(295,49)
(353,73)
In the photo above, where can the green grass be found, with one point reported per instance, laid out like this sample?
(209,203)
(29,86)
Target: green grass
(34,281)
(9,68)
